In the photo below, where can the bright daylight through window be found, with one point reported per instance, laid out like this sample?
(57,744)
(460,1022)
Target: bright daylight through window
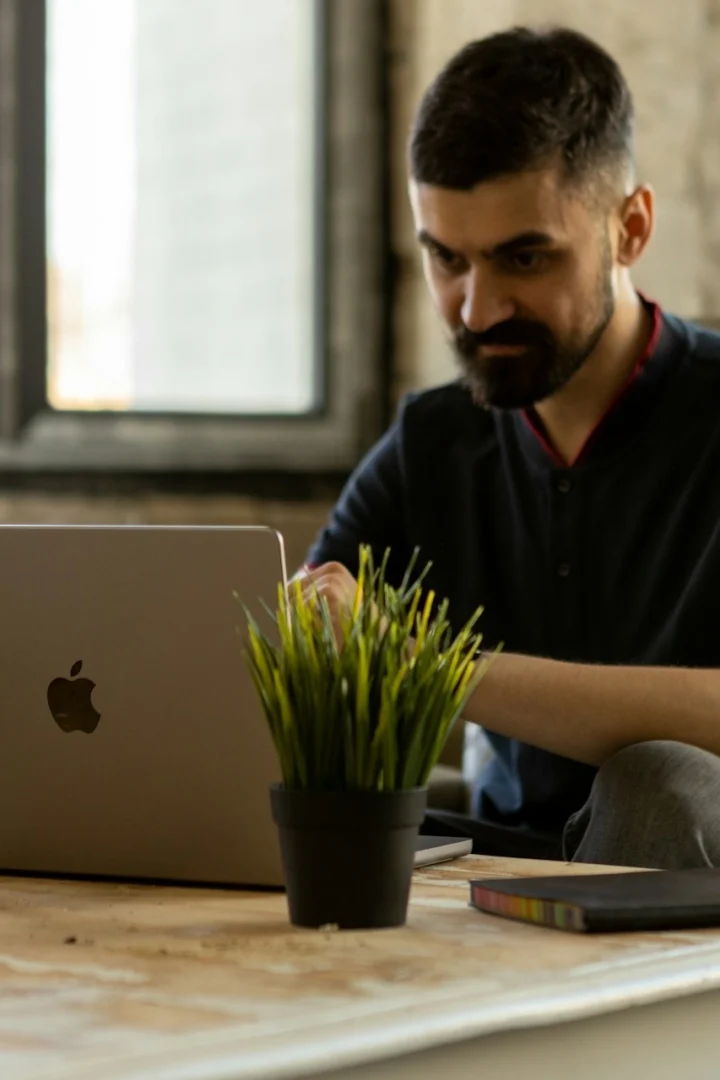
(181,192)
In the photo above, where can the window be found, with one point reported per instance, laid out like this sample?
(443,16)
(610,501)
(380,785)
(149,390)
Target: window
(181,207)
(195,275)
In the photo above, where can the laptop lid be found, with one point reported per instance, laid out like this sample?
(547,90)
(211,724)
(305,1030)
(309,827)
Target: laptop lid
(132,739)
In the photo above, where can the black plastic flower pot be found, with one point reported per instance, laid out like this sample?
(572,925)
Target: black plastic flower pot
(348,855)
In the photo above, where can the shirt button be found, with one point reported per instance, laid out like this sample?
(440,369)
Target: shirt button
(564,485)
(564,569)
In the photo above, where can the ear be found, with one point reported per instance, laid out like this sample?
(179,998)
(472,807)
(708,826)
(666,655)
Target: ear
(637,220)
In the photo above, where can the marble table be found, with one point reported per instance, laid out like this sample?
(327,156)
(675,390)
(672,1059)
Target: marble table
(109,981)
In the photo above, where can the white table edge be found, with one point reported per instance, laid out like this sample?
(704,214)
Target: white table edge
(355,1036)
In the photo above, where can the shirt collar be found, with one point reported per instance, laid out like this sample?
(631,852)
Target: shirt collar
(631,407)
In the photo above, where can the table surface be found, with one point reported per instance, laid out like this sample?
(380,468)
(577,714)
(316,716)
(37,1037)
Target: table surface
(111,981)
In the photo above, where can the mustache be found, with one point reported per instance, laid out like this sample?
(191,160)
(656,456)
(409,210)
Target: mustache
(511,332)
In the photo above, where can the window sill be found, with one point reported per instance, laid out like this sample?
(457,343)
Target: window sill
(78,443)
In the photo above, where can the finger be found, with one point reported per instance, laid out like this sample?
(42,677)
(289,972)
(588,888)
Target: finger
(303,590)
(303,572)
(316,581)
(321,590)
(333,570)
(327,597)
(306,578)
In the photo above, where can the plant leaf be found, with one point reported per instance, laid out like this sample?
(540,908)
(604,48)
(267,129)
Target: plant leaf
(369,705)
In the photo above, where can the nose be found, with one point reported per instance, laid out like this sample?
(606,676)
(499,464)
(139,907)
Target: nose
(485,302)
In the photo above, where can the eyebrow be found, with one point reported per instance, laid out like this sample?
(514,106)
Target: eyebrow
(533,238)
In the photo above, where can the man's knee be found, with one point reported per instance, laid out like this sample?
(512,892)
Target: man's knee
(660,767)
(652,804)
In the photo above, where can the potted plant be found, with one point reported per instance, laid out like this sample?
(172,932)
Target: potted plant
(359,715)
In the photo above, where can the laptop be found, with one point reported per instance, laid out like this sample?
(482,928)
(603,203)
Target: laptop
(133,743)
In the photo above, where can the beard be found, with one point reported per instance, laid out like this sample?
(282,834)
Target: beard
(546,363)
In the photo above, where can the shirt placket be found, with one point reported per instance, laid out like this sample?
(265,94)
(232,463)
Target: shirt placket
(566,568)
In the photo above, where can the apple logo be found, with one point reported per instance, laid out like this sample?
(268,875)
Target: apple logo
(70,702)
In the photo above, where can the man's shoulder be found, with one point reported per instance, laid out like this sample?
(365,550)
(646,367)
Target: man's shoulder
(700,343)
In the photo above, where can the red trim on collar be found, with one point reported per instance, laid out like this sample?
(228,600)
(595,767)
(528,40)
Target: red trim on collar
(535,426)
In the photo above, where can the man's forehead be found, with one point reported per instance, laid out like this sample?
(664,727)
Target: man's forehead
(492,212)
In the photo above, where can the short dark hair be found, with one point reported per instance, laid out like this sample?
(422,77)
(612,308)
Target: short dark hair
(520,100)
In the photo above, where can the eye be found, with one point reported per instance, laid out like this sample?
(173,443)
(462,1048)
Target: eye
(526,261)
(447,260)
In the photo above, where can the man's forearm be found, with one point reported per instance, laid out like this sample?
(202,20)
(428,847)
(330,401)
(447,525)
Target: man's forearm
(588,712)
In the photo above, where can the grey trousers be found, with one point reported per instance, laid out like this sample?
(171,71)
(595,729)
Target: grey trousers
(654,804)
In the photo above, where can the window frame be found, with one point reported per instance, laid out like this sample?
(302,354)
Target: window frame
(351,314)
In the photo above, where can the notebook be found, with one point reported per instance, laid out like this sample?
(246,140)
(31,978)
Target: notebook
(598,903)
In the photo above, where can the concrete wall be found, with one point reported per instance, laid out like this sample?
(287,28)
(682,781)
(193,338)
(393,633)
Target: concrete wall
(669,52)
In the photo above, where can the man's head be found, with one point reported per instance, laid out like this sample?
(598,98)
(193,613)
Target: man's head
(521,182)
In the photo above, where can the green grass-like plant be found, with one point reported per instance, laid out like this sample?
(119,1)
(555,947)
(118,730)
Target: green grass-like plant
(368,707)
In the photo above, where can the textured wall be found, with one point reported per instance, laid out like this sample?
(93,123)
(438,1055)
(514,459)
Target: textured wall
(7,217)
(669,52)
(709,140)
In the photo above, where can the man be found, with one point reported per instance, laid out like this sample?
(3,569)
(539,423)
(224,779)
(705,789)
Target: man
(570,481)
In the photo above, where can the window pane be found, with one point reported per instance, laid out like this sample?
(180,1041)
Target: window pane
(181,232)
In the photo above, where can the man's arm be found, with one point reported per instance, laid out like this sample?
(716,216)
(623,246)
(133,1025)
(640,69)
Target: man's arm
(588,712)
(370,510)
(581,711)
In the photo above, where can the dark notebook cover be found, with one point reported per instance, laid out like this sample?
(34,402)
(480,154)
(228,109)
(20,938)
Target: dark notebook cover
(637,900)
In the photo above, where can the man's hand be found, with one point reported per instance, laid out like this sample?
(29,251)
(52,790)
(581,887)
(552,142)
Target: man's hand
(333,583)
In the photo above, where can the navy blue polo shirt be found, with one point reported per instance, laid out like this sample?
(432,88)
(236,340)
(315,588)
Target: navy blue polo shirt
(615,560)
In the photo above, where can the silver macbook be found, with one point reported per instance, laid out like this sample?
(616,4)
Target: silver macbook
(132,741)
(435,849)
